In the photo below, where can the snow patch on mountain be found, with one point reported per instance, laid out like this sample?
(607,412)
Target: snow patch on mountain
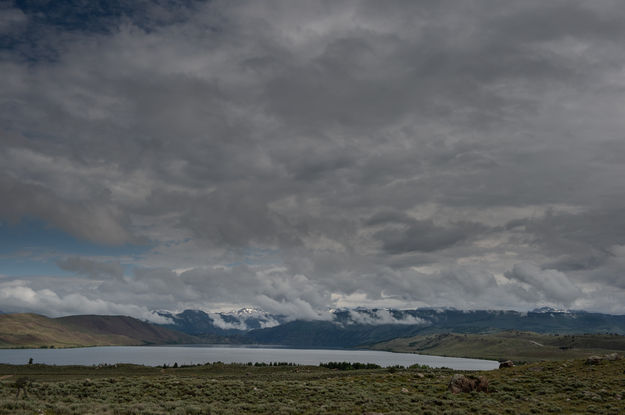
(244,319)
(548,309)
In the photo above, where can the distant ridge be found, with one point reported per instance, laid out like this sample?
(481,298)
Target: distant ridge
(34,330)
(342,328)
(359,326)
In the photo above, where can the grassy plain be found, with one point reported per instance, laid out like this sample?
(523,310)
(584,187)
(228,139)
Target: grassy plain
(511,344)
(568,387)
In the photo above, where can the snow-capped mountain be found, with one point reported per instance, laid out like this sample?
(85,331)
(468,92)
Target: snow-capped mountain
(198,322)
(547,309)
(353,327)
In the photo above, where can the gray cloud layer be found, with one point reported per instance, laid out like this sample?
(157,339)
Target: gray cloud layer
(298,157)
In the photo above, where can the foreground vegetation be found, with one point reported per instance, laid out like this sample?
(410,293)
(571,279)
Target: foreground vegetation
(549,387)
(511,344)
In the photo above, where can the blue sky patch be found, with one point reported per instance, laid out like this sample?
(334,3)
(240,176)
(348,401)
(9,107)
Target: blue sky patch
(31,247)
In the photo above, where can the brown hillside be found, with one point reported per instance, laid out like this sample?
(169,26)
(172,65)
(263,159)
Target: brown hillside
(511,344)
(33,330)
(126,326)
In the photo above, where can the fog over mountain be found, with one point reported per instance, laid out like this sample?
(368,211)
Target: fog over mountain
(302,156)
(363,326)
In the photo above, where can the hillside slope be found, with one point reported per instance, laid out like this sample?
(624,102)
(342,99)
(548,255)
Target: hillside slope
(328,334)
(33,330)
(125,326)
(514,345)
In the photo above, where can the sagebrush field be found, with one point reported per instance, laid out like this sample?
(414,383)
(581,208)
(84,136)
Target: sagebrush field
(566,387)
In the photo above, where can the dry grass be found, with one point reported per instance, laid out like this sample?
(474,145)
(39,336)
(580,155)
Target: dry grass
(550,387)
(504,345)
(33,330)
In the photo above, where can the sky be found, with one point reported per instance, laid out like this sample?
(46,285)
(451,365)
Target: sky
(302,156)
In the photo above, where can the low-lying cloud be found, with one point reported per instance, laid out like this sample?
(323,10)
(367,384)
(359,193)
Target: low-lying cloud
(18,297)
(377,317)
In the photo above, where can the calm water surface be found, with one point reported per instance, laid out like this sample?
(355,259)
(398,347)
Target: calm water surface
(159,355)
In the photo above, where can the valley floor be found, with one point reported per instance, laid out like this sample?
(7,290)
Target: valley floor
(566,387)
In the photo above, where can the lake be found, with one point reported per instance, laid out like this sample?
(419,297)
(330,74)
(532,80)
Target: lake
(194,354)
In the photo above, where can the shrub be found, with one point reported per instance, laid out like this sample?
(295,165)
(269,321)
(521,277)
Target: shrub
(349,365)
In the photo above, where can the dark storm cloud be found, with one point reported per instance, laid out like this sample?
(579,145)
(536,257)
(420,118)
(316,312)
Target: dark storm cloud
(561,19)
(302,156)
(39,30)
(420,235)
(91,268)
(595,229)
(576,241)
(92,219)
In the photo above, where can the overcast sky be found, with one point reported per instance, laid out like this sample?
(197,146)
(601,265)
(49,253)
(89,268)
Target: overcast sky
(301,156)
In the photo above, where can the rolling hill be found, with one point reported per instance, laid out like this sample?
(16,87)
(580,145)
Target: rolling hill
(511,344)
(33,330)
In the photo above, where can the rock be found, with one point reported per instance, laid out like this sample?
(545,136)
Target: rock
(594,360)
(482,384)
(404,390)
(420,375)
(507,363)
(460,383)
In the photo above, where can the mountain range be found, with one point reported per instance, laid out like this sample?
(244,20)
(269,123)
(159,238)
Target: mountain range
(342,327)
(363,326)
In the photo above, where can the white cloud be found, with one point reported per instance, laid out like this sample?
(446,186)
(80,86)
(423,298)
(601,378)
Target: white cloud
(18,296)
(544,285)
(378,317)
